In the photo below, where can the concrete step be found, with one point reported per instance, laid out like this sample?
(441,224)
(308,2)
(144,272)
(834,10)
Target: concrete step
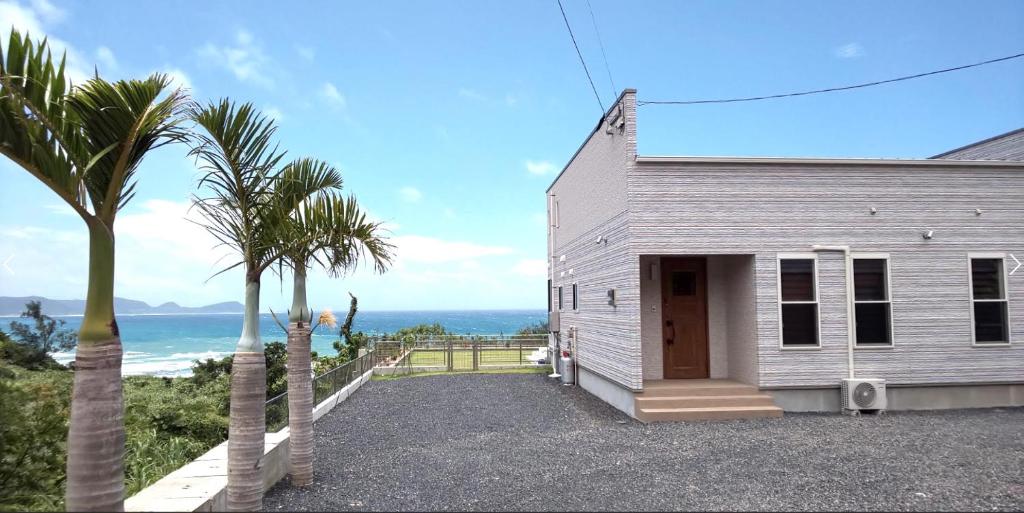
(697,389)
(704,401)
(711,413)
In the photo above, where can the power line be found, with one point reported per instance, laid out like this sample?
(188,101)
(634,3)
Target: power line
(587,71)
(603,55)
(831,89)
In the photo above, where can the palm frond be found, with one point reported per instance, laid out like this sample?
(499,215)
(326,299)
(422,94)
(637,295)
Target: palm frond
(238,158)
(123,121)
(342,236)
(37,130)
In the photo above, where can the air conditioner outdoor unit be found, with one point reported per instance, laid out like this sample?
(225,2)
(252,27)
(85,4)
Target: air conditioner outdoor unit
(863,394)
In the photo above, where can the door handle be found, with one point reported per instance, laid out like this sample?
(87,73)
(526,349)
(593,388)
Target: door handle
(671,337)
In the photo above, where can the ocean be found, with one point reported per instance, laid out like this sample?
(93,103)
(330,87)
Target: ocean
(166,345)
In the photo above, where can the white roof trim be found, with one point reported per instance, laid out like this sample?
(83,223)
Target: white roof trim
(828,162)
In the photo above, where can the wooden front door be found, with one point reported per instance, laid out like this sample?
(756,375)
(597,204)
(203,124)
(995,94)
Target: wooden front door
(684,317)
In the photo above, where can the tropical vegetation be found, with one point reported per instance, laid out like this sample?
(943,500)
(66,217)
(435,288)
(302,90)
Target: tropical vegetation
(332,232)
(86,143)
(168,421)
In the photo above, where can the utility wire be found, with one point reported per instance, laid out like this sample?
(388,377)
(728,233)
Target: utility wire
(603,55)
(587,71)
(831,89)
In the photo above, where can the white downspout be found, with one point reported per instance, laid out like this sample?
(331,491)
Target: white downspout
(553,341)
(850,306)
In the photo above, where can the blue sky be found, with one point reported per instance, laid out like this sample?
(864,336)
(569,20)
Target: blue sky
(450,119)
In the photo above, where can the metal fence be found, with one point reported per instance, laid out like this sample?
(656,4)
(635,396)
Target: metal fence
(324,386)
(454,353)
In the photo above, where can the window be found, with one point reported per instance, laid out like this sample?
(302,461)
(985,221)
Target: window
(684,283)
(575,303)
(559,298)
(551,307)
(988,301)
(872,304)
(798,302)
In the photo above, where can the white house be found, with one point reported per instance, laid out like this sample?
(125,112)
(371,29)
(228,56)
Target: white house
(725,287)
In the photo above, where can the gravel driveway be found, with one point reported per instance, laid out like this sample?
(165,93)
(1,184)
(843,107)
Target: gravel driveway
(522,442)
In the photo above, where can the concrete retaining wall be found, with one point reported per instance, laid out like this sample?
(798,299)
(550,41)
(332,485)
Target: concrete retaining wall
(907,397)
(202,484)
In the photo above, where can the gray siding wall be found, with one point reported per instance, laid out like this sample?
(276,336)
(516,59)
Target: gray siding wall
(1008,146)
(764,209)
(608,338)
(591,195)
(741,331)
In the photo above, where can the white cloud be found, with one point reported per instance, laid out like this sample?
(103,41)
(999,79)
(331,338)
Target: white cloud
(849,51)
(420,249)
(531,268)
(541,167)
(307,53)
(35,21)
(49,12)
(273,113)
(244,59)
(60,208)
(333,97)
(106,60)
(178,78)
(449,213)
(410,194)
(471,94)
(511,100)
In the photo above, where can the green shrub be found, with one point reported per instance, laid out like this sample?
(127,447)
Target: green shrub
(35,408)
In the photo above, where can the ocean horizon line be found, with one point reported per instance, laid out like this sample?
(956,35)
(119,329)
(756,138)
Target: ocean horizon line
(156,314)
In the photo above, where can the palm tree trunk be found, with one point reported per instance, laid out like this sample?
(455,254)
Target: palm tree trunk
(300,385)
(247,422)
(300,405)
(95,466)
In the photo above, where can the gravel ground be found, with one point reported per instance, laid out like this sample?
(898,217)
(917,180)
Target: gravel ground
(522,442)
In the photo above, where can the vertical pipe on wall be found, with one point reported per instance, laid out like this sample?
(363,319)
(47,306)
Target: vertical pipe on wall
(850,306)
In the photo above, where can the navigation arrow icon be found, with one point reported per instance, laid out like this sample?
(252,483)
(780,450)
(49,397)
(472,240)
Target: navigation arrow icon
(1015,260)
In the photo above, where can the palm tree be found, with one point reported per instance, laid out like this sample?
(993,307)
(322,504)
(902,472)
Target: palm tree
(86,146)
(245,208)
(334,233)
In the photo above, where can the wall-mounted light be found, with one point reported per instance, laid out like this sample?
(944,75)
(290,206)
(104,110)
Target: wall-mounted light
(561,258)
(977,211)
(572,272)
(874,210)
(928,235)
(562,275)
(602,239)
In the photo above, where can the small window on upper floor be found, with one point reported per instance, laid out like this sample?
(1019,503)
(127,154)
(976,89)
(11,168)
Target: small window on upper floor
(560,298)
(989,308)
(575,300)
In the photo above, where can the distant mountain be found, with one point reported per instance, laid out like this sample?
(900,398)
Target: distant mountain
(16,305)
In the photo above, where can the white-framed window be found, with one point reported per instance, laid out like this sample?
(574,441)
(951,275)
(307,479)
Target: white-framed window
(560,303)
(872,300)
(575,298)
(799,326)
(990,316)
